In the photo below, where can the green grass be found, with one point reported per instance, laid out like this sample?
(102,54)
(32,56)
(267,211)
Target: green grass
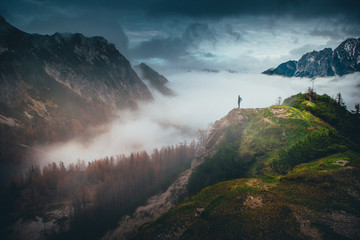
(249,148)
(312,191)
(326,164)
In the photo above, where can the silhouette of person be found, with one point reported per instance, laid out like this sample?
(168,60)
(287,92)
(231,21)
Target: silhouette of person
(239,100)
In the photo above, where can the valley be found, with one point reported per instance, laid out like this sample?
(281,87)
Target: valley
(122,120)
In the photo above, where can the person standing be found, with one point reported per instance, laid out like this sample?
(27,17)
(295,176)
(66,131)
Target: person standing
(239,100)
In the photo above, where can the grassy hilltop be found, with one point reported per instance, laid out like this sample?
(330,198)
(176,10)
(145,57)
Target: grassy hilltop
(282,172)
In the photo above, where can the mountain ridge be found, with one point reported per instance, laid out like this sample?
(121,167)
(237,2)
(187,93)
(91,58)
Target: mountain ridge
(56,87)
(345,59)
(155,79)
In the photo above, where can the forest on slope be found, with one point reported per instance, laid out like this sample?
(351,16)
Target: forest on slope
(91,197)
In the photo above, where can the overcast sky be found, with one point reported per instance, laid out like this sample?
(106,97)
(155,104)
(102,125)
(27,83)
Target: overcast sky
(229,35)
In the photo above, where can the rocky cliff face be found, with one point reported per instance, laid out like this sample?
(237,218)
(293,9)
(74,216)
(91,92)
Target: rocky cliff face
(156,80)
(54,87)
(89,68)
(343,60)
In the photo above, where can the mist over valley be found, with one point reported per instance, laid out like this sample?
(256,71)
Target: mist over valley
(179,120)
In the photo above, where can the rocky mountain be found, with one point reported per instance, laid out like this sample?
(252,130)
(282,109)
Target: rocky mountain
(343,60)
(156,80)
(53,87)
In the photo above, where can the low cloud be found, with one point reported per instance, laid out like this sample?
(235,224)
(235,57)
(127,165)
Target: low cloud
(173,48)
(229,30)
(297,53)
(202,98)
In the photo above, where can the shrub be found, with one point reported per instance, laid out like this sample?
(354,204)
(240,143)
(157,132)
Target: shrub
(314,145)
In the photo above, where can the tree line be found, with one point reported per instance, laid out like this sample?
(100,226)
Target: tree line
(99,192)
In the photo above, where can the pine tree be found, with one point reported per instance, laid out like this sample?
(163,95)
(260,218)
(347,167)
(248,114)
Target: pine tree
(357,109)
(340,100)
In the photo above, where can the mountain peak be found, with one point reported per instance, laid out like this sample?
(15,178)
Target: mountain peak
(149,72)
(5,27)
(345,59)
(154,78)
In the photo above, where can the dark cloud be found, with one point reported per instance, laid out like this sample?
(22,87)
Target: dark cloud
(203,8)
(337,31)
(225,8)
(305,49)
(229,30)
(198,32)
(209,55)
(172,48)
(165,48)
(87,24)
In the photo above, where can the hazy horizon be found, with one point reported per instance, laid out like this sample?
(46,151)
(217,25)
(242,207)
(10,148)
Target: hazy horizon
(201,99)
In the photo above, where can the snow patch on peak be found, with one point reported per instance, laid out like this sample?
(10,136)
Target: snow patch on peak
(350,48)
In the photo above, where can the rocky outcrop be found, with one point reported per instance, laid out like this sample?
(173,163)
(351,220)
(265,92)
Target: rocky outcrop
(156,80)
(345,59)
(43,227)
(217,132)
(286,69)
(154,208)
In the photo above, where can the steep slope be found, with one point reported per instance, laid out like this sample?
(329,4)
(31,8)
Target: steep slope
(54,87)
(318,200)
(343,60)
(90,68)
(154,207)
(248,147)
(302,172)
(156,80)
(159,204)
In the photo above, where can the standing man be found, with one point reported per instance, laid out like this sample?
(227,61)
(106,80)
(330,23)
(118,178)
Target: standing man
(239,100)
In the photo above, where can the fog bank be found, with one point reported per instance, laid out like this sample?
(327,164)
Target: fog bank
(201,99)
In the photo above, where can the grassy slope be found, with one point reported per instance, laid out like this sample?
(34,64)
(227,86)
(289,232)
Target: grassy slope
(274,129)
(315,200)
(248,148)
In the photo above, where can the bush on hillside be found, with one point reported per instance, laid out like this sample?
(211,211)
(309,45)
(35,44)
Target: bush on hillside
(331,111)
(313,146)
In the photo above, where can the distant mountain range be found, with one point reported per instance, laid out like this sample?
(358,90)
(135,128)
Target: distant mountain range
(345,59)
(54,87)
